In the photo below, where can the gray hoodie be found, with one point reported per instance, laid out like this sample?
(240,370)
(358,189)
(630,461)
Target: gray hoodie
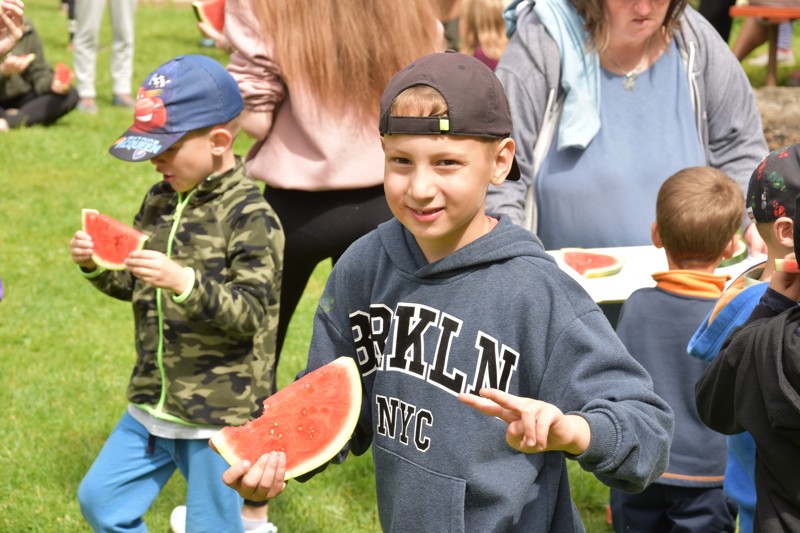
(727,116)
(497,313)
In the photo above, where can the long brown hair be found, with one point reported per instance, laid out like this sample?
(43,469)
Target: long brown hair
(344,52)
(596,25)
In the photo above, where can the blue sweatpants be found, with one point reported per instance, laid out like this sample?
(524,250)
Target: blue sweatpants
(131,470)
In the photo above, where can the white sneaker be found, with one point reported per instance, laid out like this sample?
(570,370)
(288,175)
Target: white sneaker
(177,522)
(784,57)
(267,527)
(177,519)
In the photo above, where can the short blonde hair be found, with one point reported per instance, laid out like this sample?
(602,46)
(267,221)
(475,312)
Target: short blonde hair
(698,211)
(419,101)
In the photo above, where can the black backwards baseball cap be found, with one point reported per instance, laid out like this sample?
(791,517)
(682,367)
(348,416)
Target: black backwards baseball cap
(476,102)
(184,94)
(774,185)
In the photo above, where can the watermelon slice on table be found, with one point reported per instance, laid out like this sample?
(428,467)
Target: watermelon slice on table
(787,265)
(310,420)
(212,12)
(592,264)
(113,240)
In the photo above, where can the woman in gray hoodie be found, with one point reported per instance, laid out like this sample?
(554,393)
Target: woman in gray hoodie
(609,99)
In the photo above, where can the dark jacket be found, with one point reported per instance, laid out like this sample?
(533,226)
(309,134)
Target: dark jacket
(754,385)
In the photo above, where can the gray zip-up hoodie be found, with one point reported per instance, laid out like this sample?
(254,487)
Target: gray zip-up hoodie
(496,313)
(726,113)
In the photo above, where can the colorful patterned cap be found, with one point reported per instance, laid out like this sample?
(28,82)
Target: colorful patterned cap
(187,93)
(774,185)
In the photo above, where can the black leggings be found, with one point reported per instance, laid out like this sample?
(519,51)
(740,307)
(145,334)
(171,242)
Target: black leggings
(42,109)
(318,226)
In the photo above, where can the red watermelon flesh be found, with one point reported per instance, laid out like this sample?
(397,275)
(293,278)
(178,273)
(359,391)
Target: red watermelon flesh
(212,12)
(310,420)
(787,265)
(592,264)
(63,74)
(112,240)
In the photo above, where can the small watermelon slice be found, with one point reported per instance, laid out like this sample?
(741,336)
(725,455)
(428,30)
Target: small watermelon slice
(113,241)
(212,12)
(310,420)
(738,256)
(63,74)
(591,264)
(787,265)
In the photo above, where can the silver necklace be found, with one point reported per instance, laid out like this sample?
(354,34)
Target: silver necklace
(630,76)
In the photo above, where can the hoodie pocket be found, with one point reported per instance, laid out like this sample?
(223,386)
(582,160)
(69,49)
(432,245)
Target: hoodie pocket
(414,499)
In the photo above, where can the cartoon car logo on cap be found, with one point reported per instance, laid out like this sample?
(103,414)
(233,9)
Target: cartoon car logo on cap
(149,111)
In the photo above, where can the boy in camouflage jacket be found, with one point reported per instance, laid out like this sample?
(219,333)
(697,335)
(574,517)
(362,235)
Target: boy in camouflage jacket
(205,293)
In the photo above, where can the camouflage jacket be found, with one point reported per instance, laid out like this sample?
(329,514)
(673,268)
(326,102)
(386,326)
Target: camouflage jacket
(206,359)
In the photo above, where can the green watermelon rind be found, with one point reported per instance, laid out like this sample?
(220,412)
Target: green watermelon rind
(200,11)
(738,256)
(99,261)
(349,375)
(597,272)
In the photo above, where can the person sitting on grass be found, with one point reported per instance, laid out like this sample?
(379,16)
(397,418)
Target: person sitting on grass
(30,93)
(205,293)
(444,302)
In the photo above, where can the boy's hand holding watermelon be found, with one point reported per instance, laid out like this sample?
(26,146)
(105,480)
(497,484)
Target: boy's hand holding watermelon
(158,270)
(81,250)
(261,481)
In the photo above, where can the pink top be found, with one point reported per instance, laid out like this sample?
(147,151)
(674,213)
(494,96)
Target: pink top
(307,148)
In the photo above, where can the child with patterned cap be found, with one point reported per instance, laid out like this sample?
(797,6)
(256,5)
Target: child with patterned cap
(770,205)
(205,294)
(446,302)
(753,384)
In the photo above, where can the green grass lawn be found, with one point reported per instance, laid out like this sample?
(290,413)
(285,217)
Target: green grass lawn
(66,350)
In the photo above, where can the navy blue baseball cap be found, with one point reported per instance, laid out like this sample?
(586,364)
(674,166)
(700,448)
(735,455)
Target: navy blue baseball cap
(187,93)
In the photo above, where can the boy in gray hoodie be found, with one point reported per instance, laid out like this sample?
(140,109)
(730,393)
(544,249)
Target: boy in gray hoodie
(446,302)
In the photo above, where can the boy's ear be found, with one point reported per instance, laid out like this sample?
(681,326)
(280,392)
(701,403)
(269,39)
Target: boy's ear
(503,159)
(221,140)
(783,231)
(654,236)
(730,248)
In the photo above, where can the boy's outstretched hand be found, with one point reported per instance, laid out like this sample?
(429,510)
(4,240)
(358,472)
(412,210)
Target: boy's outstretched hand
(533,426)
(261,481)
(157,270)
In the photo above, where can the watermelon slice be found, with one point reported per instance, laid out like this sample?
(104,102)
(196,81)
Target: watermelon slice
(738,256)
(212,12)
(113,241)
(311,420)
(787,265)
(591,264)
(63,74)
